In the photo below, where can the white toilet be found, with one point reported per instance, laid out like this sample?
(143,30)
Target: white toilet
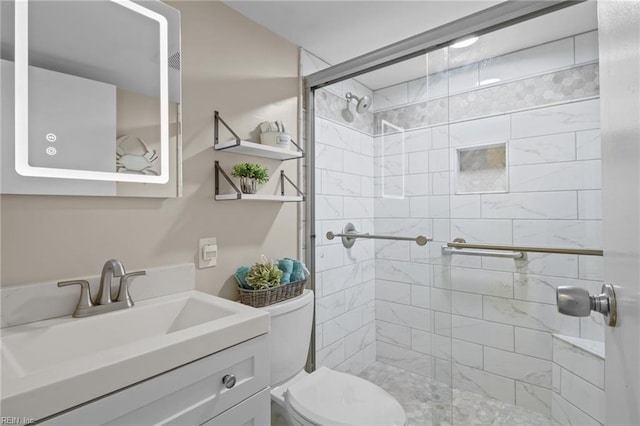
(324,397)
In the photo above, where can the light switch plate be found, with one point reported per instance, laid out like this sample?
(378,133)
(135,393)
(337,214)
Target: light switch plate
(207,263)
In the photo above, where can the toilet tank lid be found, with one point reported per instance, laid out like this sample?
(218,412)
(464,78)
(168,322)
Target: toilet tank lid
(328,397)
(290,305)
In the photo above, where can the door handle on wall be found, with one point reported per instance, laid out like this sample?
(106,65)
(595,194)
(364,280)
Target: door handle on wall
(576,302)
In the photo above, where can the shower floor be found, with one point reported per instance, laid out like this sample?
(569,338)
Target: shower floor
(427,403)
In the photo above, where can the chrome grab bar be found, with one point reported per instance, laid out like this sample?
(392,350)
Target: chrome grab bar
(460,243)
(350,235)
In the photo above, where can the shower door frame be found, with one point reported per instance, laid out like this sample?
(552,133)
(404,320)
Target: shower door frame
(488,20)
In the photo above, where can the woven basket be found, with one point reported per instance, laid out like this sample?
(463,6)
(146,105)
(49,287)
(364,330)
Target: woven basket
(269,296)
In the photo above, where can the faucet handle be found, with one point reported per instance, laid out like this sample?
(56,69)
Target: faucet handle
(85,295)
(123,291)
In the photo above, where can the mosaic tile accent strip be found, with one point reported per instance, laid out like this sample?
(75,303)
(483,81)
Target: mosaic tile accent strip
(561,86)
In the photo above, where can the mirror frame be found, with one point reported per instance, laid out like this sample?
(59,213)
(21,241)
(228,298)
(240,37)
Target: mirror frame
(22,104)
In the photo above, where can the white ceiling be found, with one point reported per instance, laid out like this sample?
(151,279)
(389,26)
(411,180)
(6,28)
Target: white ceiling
(336,31)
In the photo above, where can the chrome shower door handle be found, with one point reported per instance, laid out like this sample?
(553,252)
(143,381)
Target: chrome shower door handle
(576,302)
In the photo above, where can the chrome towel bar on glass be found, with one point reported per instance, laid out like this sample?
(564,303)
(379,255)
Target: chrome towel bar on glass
(459,245)
(350,235)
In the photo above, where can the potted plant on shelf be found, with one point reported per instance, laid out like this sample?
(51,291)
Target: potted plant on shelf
(250,175)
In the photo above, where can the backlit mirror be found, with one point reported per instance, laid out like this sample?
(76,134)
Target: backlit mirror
(90,98)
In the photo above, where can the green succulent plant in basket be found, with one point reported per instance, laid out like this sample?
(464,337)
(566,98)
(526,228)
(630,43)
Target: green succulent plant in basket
(264,275)
(250,175)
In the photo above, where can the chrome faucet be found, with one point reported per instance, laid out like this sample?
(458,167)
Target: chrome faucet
(87,306)
(111,268)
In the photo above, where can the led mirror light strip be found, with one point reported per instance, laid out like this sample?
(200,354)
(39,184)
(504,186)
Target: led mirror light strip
(22,104)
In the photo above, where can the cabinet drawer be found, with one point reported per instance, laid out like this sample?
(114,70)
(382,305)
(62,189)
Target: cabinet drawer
(254,411)
(193,392)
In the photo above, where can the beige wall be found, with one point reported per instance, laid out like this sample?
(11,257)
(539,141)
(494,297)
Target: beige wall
(231,64)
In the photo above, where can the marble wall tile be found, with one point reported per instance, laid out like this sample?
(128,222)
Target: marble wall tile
(428,87)
(439,160)
(442,324)
(339,135)
(484,383)
(358,207)
(408,316)
(533,397)
(529,315)
(480,281)
(573,175)
(337,328)
(554,148)
(555,377)
(590,204)
(467,353)
(534,343)
(338,183)
(465,206)
(328,307)
(583,395)
(389,207)
(392,291)
(568,414)
(437,206)
(334,280)
(441,182)
(586,47)
(331,356)
(357,164)
(353,365)
(592,327)
(405,359)
(463,78)
(496,231)
(558,233)
(441,299)
(329,257)
(393,250)
(482,130)
(588,144)
(360,339)
(390,97)
(329,157)
(421,296)
(393,333)
(421,342)
(419,162)
(405,272)
(534,60)
(466,304)
(533,205)
(417,185)
(360,295)
(482,332)
(520,367)
(582,115)
(319,337)
(329,207)
(590,268)
(580,362)
(418,140)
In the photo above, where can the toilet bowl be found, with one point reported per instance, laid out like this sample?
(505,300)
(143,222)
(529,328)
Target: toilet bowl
(324,397)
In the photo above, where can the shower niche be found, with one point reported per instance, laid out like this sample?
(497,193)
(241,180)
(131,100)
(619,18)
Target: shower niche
(481,169)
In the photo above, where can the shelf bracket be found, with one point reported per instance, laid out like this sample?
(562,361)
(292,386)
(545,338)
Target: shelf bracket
(284,177)
(216,134)
(226,177)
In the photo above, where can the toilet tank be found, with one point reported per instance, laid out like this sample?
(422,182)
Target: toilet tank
(290,336)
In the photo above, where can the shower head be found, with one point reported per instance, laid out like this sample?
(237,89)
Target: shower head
(363,103)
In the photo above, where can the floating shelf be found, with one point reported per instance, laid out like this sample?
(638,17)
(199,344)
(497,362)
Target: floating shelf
(238,146)
(238,195)
(257,150)
(259,197)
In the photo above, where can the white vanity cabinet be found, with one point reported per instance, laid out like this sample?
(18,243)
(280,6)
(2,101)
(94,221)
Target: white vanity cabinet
(193,394)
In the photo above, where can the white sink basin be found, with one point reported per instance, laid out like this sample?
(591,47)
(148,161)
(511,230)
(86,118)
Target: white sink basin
(49,366)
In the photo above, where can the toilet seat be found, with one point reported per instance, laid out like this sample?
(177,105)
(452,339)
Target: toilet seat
(327,397)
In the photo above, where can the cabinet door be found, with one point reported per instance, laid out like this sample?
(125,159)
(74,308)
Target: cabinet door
(189,395)
(254,411)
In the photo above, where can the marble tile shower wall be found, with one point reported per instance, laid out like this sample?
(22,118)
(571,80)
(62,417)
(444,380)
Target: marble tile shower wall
(485,324)
(345,280)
